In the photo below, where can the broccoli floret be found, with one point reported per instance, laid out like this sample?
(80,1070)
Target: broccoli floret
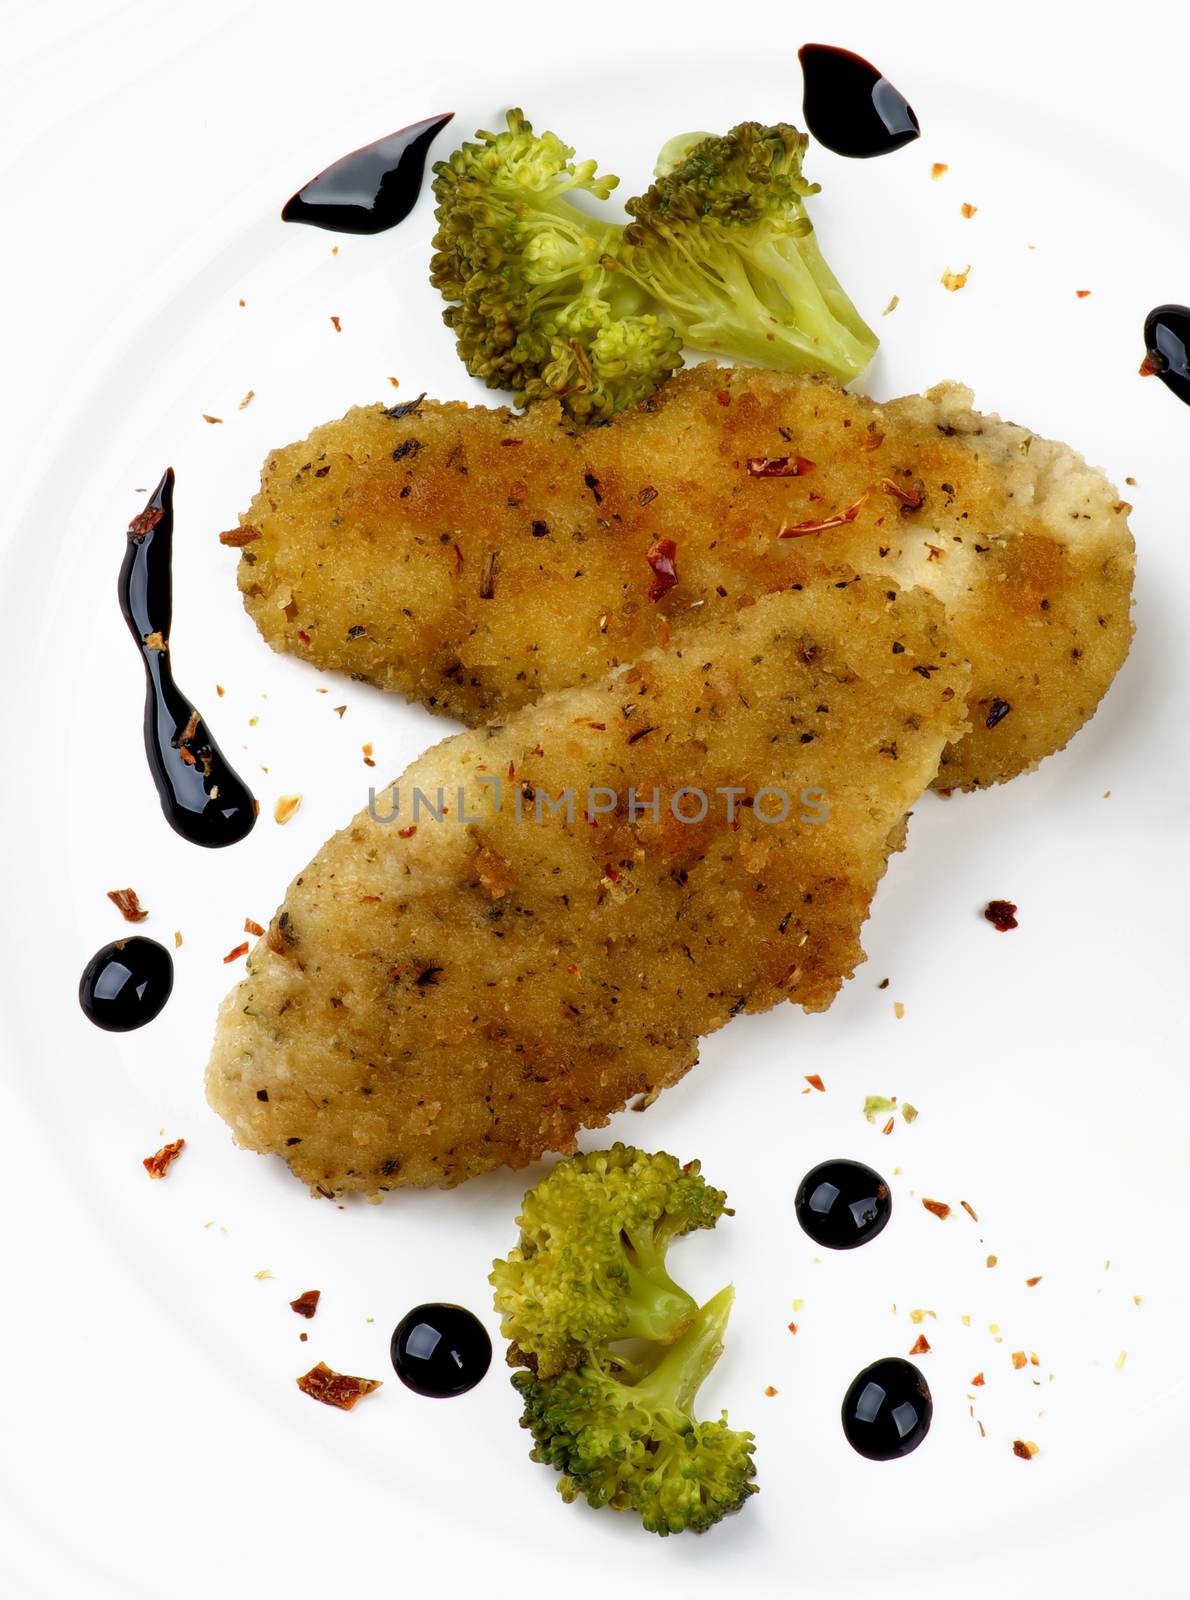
(722,241)
(720,254)
(590,1263)
(629,1441)
(534,307)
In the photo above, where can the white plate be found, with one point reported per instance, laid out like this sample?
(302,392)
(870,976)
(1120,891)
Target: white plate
(151,1436)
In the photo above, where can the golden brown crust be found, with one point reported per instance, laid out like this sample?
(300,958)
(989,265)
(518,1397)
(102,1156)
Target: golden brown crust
(438,998)
(474,559)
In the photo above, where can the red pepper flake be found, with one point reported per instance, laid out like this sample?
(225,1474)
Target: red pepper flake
(306,1303)
(664,634)
(367,753)
(871,441)
(610,873)
(187,756)
(407,833)
(1019,1359)
(1024,1448)
(770,1391)
(793,1327)
(338,325)
(815,1082)
(1152,364)
(207,418)
(912,499)
(238,537)
(662,559)
(253,928)
(778,466)
(977,1382)
(723,397)
(937,1208)
(967,209)
(234,955)
(335,1388)
(798,530)
(1001,914)
(939,169)
(303,636)
(220,690)
(969,1209)
(1031,1283)
(127,904)
(144,522)
(889,1125)
(157,1166)
(921,1346)
(1082,293)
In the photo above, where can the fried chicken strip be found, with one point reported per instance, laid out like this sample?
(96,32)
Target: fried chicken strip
(436,998)
(475,559)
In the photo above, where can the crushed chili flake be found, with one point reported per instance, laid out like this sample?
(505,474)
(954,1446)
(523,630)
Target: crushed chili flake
(967,209)
(1031,1283)
(335,1388)
(248,399)
(939,169)
(921,1346)
(253,928)
(1025,1448)
(770,1391)
(937,1208)
(912,499)
(234,955)
(127,903)
(969,1209)
(187,756)
(339,710)
(144,522)
(338,325)
(977,1382)
(815,1082)
(662,558)
(407,833)
(306,1303)
(1082,293)
(157,1166)
(367,752)
(955,280)
(798,530)
(889,1125)
(1001,914)
(238,537)
(1019,1359)
(207,418)
(871,441)
(155,641)
(285,807)
(723,397)
(778,466)
(664,633)
(793,1327)
(396,382)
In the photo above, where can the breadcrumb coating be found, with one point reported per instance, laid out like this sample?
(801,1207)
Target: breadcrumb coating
(436,998)
(475,559)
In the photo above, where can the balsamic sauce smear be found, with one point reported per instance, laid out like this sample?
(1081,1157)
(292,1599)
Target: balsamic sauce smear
(202,798)
(842,1204)
(1167,348)
(440,1350)
(850,107)
(125,984)
(371,189)
(888,1409)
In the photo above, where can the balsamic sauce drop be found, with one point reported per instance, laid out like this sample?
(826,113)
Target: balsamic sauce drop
(202,798)
(440,1350)
(371,189)
(125,984)
(888,1409)
(842,1204)
(1167,348)
(850,107)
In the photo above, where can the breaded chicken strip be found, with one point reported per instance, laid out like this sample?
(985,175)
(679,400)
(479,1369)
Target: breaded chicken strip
(475,559)
(436,998)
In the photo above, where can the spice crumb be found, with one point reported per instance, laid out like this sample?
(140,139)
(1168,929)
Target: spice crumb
(263,1275)
(815,1082)
(248,399)
(338,325)
(937,1208)
(892,305)
(306,1303)
(396,382)
(127,903)
(253,928)
(967,209)
(898,1009)
(158,1165)
(883,984)
(1120,1360)
(1031,1283)
(939,169)
(285,807)
(955,280)
(1001,914)
(969,1209)
(992,1260)
(770,1391)
(1025,1448)
(207,418)
(333,1388)
(177,938)
(1019,1359)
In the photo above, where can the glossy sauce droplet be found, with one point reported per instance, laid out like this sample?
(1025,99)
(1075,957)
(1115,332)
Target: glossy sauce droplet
(842,1204)
(1167,348)
(440,1350)
(202,797)
(888,1409)
(125,984)
(850,107)
(371,189)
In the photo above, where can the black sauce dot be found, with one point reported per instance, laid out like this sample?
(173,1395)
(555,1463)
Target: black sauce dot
(371,189)
(888,1409)
(440,1350)
(125,984)
(1167,348)
(842,1204)
(850,107)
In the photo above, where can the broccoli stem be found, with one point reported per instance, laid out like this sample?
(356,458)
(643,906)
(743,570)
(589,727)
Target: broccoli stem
(657,1308)
(674,1382)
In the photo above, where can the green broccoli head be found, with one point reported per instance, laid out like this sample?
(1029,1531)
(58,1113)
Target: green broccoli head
(630,1442)
(723,243)
(590,1263)
(533,306)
